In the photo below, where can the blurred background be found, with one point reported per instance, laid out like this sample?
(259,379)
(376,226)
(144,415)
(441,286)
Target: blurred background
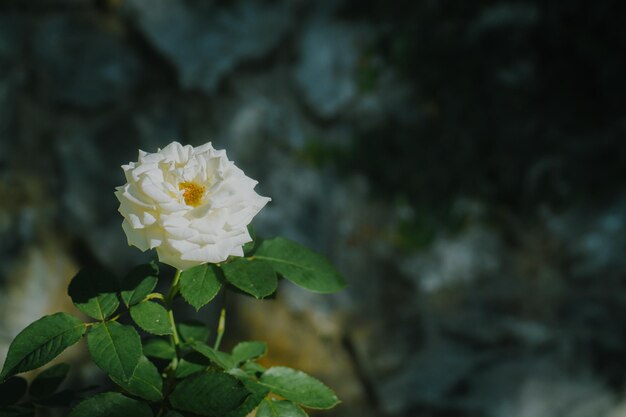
(462,163)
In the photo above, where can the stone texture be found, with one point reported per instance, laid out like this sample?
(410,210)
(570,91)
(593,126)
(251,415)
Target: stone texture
(13,29)
(83,61)
(456,260)
(205,42)
(594,236)
(326,71)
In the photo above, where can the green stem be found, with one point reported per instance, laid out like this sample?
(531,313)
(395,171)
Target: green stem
(168,301)
(154,295)
(174,288)
(221,326)
(175,340)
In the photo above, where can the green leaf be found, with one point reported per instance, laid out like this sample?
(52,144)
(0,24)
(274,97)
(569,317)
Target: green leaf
(209,394)
(173,413)
(246,351)
(300,265)
(238,373)
(253,368)
(222,359)
(115,348)
(298,387)
(255,277)
(278,408)
(140,282)
(49,380)
(188,367)
(158,348)
(110,404)
(193,331)
(145,382)
(12,390)
(94,292)
(199,285)
(258,392)
(151,317)
(40,342)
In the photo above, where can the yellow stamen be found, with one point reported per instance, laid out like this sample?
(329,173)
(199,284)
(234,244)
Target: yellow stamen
(192,193)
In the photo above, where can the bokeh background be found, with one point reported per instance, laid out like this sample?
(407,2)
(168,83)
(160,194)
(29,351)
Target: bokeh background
(462,163)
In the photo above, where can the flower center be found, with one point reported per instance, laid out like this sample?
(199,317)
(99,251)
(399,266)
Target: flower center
(192,193)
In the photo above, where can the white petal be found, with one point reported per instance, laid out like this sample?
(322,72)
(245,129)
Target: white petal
(215,253)
(183,246)
(180,233)
(148,219)
(237,251)
(177,152)
(171,257)
(135,238)
(154,191)
(206,148)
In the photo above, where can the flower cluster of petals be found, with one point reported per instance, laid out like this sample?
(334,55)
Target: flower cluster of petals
(192,205)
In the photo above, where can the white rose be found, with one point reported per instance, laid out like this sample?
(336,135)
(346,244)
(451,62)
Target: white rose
(192,205)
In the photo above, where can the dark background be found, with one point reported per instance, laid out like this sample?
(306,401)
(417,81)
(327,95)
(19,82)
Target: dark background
(461,162)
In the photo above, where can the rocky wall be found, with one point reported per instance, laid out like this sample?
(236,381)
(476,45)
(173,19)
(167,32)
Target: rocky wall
(435,153)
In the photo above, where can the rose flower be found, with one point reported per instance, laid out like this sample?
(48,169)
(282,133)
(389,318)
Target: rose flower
(192,205)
